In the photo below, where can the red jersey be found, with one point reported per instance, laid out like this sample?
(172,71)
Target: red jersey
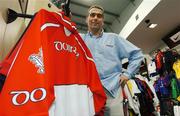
(51,53)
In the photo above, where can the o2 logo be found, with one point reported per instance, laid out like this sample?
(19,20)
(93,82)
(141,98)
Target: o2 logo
(26,96)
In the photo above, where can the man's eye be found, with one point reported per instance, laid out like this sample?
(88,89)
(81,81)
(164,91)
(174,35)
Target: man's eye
(99,15)
(92,15)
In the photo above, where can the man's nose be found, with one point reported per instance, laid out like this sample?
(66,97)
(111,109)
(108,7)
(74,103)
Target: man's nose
(95,17)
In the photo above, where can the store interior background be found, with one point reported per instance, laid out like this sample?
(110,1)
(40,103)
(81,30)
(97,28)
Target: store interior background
(128,18)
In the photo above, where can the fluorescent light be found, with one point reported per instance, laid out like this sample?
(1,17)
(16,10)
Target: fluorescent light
(152,25)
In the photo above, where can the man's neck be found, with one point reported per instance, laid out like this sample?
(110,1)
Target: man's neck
(96,33)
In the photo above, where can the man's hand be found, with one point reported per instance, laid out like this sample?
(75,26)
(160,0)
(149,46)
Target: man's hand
(123,80)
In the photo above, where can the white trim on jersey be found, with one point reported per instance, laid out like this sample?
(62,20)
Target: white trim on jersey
(89,58)
(65,20)
(15,57)
(49,25)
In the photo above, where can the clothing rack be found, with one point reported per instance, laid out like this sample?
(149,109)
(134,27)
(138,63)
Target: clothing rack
(12,15)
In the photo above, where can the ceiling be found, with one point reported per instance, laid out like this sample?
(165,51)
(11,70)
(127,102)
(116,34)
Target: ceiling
(113,9)
(166,15)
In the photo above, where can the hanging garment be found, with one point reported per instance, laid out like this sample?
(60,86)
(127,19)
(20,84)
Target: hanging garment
(51,58)
(175,91)
(6,63)
(133,102)
(145,98)
(176,67)
(178,98)
(176,110)
(168,60)
(150,84)
(162,86)
(152,69)
(166,107)
(159,62)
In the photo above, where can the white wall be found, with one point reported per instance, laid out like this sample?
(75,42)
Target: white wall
(35,5)
(2,31)
(11,32)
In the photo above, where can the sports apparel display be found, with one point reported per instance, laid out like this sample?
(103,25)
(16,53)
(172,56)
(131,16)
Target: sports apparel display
(176,67)
(166,83)
(51,67)
(159,62)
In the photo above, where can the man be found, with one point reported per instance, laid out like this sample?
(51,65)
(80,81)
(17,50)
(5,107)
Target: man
(108,50)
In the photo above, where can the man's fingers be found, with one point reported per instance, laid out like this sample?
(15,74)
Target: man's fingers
(123,82)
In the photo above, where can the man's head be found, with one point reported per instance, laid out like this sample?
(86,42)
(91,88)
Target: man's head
(95,18)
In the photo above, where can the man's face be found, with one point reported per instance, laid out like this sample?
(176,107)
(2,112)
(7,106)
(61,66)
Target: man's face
(95,19)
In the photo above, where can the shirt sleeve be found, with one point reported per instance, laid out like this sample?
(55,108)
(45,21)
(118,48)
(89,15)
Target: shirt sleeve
(133,53)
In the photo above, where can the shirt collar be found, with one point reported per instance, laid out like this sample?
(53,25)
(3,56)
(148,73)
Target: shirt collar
(90,34)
